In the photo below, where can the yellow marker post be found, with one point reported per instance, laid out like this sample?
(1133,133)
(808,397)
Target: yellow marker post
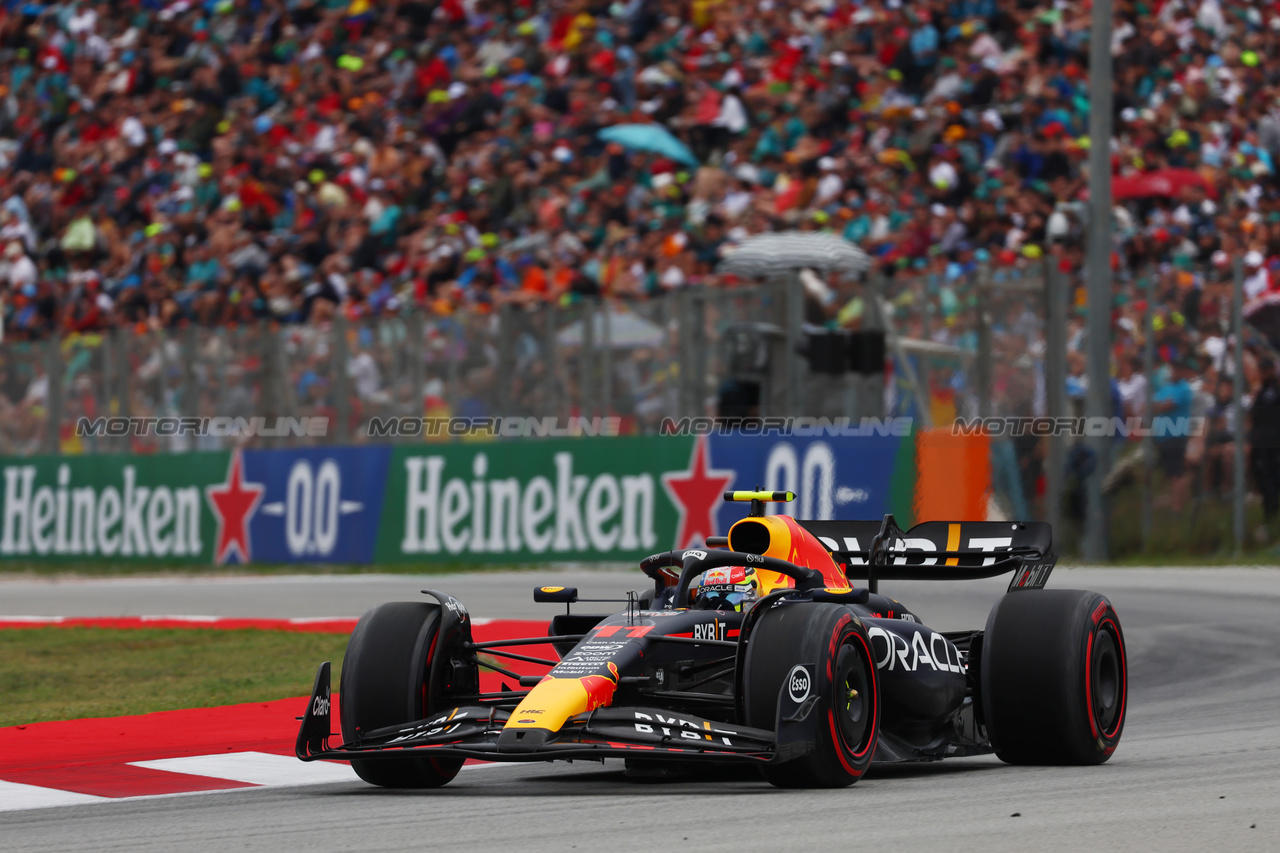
(758,499)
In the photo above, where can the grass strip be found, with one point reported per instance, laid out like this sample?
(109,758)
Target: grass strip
(61,673)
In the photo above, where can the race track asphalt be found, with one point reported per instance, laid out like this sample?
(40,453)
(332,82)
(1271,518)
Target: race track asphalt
(1198,767)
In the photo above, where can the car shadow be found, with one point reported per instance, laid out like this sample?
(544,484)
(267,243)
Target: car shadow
(610,781)
(917,769)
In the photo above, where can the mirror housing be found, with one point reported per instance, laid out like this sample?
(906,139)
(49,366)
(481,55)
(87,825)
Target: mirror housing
(555,594)
(857,595)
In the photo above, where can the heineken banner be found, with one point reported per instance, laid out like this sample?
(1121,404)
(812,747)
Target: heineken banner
(117,508)
(539,500)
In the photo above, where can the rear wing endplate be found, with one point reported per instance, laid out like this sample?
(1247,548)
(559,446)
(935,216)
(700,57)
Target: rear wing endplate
(940,550)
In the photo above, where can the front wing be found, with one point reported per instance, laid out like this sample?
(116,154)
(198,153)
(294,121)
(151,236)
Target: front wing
(473,731)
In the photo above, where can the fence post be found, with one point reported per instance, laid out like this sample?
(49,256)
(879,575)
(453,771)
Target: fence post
(552,362)
(700,340)
(415,339)
(270,379)
(1148,413)
(982,364)
(606,359)
(1055,377)
(506,368)
(672,305)
(918,392)
(1099,277)
(53,398)
(123,374)
(765,300)
(106,392)
(684,350)
(924,371)
(190,387)
(1237,403)
(795,396)
(341,381)
(587,361)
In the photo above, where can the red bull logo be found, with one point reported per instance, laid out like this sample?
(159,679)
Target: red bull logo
(600,688)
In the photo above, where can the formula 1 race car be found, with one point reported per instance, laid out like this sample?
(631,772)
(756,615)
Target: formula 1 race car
(756,649)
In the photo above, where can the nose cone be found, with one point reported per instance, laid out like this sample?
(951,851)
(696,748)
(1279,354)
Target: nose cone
(553,701)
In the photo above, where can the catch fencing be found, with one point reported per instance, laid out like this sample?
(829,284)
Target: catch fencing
(958,344)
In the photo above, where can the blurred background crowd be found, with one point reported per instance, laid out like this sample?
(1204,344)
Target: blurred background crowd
(225,162)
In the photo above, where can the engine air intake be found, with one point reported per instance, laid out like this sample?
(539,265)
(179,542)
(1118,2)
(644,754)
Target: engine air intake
(749,537)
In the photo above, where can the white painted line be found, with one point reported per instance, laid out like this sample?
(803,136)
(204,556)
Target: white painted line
(35,620)
(15,797)
(255,768)
(308,620)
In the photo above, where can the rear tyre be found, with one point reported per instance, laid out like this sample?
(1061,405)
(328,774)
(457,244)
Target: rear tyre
(847,715)
(385,681)
(1054,677)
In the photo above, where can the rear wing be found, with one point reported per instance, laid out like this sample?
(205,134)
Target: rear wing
(939,550)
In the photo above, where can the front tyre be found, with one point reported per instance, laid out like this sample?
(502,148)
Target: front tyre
(1054,677)
(384,682)
(848,710)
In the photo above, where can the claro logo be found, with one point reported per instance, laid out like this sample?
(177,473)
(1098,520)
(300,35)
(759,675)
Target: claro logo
(320,706)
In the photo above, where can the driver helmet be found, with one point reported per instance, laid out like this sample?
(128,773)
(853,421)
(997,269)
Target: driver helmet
(730,588)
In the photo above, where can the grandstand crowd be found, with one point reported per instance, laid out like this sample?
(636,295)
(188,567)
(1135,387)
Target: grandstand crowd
(225,161)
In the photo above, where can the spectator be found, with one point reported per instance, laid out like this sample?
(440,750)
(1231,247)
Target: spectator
(1132,384)
(1257,279)
(1172,405)
(1264,436)
(366,377)
(19,270)
(1220,441)
(169,164)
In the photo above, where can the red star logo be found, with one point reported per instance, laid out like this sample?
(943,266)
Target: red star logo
(697,492)
(234,503)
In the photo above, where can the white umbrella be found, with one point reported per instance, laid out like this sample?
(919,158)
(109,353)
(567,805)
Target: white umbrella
(627,330)
(776,254)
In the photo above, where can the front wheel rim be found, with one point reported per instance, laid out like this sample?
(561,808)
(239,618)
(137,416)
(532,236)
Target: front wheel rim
(1107,678)
(853,695)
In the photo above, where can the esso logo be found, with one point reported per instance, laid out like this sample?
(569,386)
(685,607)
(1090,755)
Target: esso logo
(798,684)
